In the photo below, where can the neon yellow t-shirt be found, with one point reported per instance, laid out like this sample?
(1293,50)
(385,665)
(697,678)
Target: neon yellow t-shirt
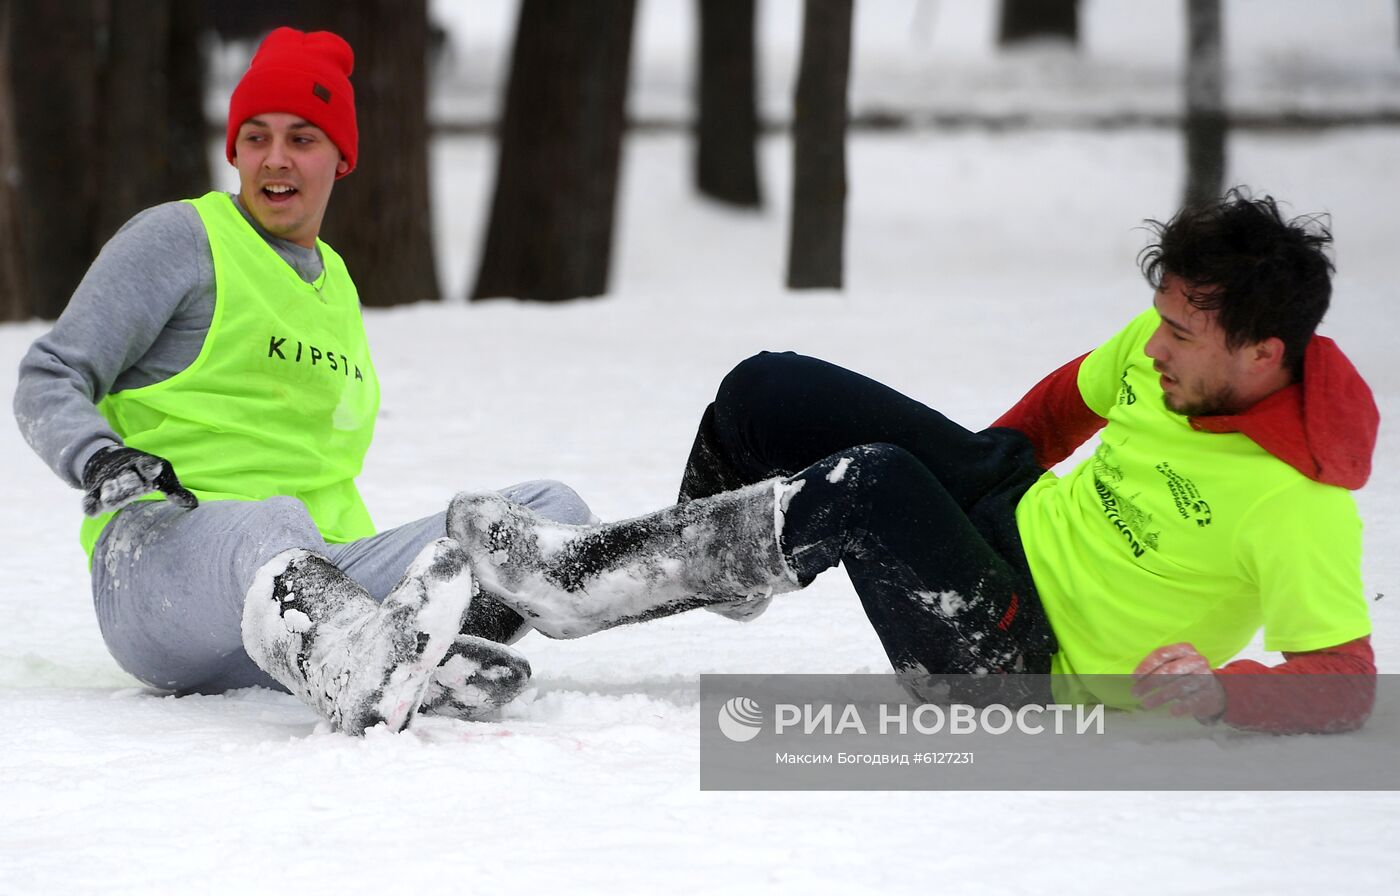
(282,398)
(1169,534)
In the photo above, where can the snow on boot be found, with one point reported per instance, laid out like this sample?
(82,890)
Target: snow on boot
(743,610)
(358,664)
(477,677)
(571,581)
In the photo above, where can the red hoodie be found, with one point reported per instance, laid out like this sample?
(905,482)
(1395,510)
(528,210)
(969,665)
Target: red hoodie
(1323,426)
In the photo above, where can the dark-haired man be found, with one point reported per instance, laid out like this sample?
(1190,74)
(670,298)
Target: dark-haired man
(1217,501)
(214,356)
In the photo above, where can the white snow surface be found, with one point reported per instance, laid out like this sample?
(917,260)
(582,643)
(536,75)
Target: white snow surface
(976,262)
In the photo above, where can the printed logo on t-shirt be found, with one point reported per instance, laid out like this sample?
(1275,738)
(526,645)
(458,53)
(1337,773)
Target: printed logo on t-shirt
(1189,502)
(1121,511)
(1126,395)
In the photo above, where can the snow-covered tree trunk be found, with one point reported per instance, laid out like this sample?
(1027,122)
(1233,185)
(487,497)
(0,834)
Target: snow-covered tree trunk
(726,154)
(560,150)
(817,244)
(1205,122)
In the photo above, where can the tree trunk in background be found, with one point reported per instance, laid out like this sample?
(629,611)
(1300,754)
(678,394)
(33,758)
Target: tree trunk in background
(14,288)
(187,128)
(819,147)
(131,86)
(380,216)
(152,63)
(559,152)
(107,117)
(1205,124)
(53,79)
(726,160)
(1026,20)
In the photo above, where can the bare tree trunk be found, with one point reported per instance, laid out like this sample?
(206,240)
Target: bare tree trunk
(380,216)
(1205,122)
(53,72)
(816,249)
(187,129)
(560,149)
(726,160)
(1026,20)
(133,85)
(106,76)
(14,287)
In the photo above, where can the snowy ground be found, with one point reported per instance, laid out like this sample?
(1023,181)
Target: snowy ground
(976,263)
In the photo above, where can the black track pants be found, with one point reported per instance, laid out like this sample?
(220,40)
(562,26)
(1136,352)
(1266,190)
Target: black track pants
(920,510)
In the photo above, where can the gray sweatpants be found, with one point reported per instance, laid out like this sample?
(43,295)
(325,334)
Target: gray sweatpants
(168,584)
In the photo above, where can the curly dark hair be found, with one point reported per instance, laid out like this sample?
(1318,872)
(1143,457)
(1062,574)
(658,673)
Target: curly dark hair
(1264,275)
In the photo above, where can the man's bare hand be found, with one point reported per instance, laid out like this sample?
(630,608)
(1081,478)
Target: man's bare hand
(1178,677)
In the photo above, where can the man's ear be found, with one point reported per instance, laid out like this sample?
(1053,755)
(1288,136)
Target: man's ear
(1268,352)
(342,166)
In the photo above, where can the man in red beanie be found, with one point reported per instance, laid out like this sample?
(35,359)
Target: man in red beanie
(295,97)
(219,339)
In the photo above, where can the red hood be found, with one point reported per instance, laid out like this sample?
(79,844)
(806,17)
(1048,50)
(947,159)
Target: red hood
(1324,427)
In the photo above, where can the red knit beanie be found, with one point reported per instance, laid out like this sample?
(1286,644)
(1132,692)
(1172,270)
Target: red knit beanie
(305,74)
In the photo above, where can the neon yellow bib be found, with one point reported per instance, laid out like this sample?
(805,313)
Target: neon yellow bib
(282,398)
(1168,534)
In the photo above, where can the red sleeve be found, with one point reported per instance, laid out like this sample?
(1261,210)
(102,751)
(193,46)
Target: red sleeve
(1318,692)
(1053,415)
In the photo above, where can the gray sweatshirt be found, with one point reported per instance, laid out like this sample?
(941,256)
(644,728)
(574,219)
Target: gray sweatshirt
(138,317)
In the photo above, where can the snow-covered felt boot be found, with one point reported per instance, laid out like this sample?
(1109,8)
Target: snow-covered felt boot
(477,676)
(570,581)
(357,663)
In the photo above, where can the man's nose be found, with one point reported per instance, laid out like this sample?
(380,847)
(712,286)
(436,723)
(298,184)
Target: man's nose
(1155,348)
(276,155)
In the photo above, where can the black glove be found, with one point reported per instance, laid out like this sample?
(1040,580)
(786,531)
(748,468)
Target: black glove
(116,476)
